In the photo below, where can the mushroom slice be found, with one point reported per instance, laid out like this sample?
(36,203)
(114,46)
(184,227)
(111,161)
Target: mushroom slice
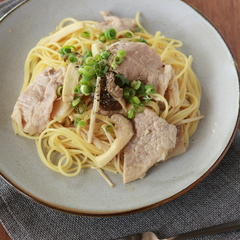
(123,135)
(62,33)
(70,81)
(96,48)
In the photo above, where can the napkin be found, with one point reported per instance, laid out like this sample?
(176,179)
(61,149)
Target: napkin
(214,201)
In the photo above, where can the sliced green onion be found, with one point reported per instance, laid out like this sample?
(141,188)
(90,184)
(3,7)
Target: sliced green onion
(118,60)
(146,98)
(72,58)
(149,89)
(131,113)
(102,38)
(86,89)
(90,61)
(121,53)
(137,108)
(66,50)
(80,108)
(141,89)
(135,84)
(75,102)
(110,33)
(85,81)
(139,29)
(88,71)
(120,80)
(59,91)
(109,128)
(76,89)
(142,40)
(128,35)
(98,57)
(128,92)
(104,53)
(100,69)
(79,122)
(135,100)
(87,53)
(85,34)
(114,65)
(105,70)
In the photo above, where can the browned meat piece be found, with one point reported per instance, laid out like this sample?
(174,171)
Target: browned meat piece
(107,102)
(115,91)
(34,106)
(142,63)
(152,140)
(117,23)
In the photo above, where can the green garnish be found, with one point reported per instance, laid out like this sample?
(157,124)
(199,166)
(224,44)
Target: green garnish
(109,128)
(75,102)
(59,91)
(142,40)
(79,122)
(128,35)
(85,34)
(108,34)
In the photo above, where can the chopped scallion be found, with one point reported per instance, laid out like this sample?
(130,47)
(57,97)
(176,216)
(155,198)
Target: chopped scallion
(135,100)
(142,40)
(109,128)
(102,38)
(135,84)
(149,89)
(121,53)
(137,108)
(128,92)
(110,33)
(79,122)
(118,60)
(59,91)
(128,35)
(75,102)
(85,34)
(76,89)
(114,65)
(86,89)
(104,53)
(65,50)
(90,61)
(80,108)
(131,114)
(120,80)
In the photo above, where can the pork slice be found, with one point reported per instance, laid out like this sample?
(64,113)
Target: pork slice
(152,141)
(34,106)
(180,146)
(117,23)
(141,63)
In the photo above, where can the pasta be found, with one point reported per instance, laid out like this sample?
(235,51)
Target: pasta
(68,149)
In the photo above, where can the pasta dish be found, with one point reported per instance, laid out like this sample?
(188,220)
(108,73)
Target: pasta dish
(107,96)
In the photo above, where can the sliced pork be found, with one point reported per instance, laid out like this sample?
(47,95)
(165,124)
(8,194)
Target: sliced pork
(180,146)
(142,63)
(117,23)
(152,141)
(34,106)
